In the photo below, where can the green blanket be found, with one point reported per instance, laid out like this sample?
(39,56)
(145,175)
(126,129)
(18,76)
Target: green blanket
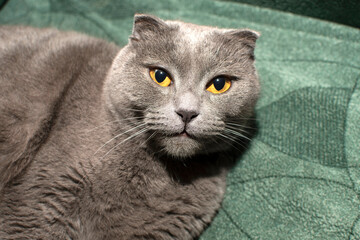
(340,11)
(300,177)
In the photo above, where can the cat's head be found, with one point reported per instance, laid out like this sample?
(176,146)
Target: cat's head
(191,87)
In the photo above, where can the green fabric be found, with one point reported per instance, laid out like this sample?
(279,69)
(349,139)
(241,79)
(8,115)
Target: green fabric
(340,11)
(2,3)
(300,177)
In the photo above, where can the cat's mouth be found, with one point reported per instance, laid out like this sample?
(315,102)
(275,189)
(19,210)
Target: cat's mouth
(181,144)
(184,133)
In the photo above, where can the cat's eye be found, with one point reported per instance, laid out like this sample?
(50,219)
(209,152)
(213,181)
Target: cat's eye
(160,77)
(219,85)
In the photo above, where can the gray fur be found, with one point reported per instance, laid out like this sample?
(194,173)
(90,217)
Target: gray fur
(90,145)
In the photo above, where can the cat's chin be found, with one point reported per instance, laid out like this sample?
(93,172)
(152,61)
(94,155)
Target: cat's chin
(181,146)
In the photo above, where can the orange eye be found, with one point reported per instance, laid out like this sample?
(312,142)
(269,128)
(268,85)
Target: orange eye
(219,85)
(160,77)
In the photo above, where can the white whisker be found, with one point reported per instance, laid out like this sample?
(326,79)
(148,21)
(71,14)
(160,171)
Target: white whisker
(152,135)
(134,110)
(231,140)
(119,120)
(236,129)
(117,137)
(238,134)
(238,125)
(239,117)
(126,139)
(238,141)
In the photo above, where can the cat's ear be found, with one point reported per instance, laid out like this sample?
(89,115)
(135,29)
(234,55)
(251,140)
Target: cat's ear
(245,36)
(145,26)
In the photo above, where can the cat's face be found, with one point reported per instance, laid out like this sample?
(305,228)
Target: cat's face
(190,86)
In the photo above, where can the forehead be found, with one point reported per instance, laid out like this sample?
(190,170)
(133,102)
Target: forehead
(191,33)
(193,49)
(197,42)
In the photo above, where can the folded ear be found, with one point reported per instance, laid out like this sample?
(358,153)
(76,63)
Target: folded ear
(245,36)
(146,25)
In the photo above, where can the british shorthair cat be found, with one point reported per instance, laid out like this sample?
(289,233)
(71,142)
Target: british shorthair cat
(98,142)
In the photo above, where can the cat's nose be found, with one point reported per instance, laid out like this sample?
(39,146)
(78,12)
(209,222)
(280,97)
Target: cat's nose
(187,116)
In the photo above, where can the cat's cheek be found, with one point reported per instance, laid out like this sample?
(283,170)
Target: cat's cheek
(154,95)
(238,101)
(221,105)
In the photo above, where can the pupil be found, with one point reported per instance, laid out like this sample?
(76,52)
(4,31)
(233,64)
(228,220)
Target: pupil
(160,75)
(219,83)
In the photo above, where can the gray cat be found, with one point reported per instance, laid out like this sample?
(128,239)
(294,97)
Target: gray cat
(98,142)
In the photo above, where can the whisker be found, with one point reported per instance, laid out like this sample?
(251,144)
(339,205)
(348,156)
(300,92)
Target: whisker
(227,153)
(236,129)
(238,141)
(235,139)
(134,110)
(117,137)
(244,147)
(118,120)
(217,143)
(132,136)
(102,125)
(239,125)
(152,135)
(126,139)
(242,118)
(238,134)
(227,142)
(231,138)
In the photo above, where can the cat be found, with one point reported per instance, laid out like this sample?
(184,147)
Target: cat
(98,142)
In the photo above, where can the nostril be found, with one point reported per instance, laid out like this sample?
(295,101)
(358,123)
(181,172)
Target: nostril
(180,114)
(194,116)
(187,116)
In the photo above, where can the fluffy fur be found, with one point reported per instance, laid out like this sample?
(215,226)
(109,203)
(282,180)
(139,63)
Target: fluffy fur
(91,147)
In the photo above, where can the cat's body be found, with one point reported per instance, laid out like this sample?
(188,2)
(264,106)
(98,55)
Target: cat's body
(82,158)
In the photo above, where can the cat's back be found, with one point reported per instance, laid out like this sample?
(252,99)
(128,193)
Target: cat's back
(38,68)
